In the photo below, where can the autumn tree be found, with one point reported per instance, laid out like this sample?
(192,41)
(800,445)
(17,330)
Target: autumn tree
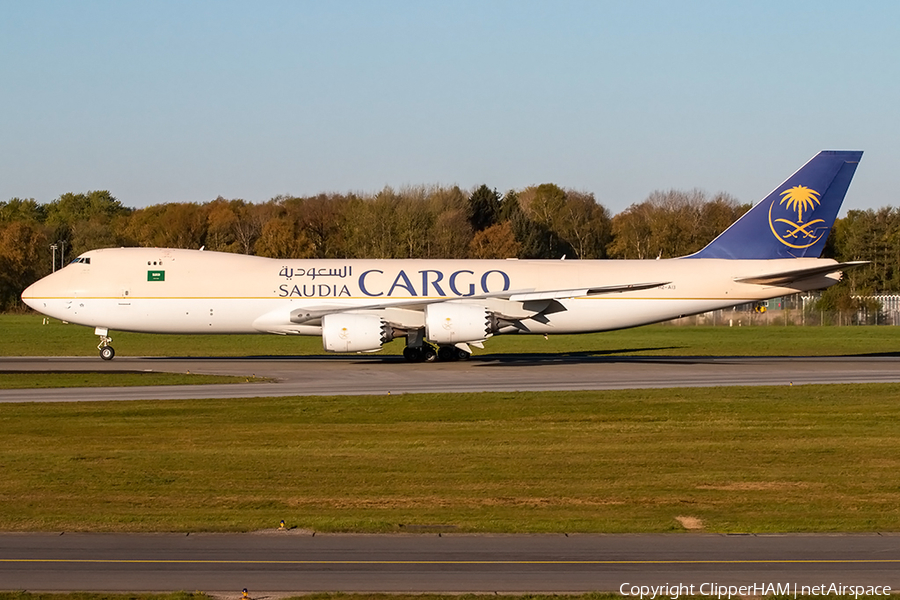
(872,235)
(450,235)
(356,234)
(281,237)
(320,221)
(497,241)
(172,225)
(544,204)
(632,233)
(542,221)
(532,237)
(23,259)
(381,218)
(717,215)
(552,222)
(584,225)
(86,221)
(233,225)
(451,230)
(671,223)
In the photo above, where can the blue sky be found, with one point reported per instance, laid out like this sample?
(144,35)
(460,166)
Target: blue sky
(185,101)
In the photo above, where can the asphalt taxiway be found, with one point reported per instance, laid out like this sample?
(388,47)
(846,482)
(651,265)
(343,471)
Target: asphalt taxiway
(290,562)
(339,375)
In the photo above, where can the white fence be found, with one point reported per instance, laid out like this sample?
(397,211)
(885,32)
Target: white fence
(799,309)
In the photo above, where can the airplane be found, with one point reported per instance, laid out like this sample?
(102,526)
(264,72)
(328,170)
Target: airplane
(444,307)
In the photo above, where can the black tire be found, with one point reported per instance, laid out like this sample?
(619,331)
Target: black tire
(107,353)
(412,354)
(429,355)
(462,354)
(447,353)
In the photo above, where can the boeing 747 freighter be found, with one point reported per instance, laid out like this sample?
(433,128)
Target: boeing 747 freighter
(443,307)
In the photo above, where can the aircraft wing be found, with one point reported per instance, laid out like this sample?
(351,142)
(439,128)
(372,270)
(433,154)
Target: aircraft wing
(510,304)
(591,291)
(782,278)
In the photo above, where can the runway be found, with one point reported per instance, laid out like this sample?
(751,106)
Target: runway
(339,375)
(288,562)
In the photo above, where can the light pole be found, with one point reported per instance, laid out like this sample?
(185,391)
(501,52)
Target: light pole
(54,247)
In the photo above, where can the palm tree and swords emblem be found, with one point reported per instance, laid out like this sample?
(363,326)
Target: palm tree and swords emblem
(797,235)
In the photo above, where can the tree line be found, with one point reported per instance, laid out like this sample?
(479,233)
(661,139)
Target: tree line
(544,221)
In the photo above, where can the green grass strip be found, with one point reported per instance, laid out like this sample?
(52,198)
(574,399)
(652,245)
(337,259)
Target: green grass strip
(43,379)
(102,596)
(26,335)
(752,459)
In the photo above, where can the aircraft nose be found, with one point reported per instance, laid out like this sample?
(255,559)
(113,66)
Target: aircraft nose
(29,296)
(40,293)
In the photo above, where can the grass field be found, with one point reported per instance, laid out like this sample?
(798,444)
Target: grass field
(102,596)
(810,458)
(25,335)
(761,459)
(30,379)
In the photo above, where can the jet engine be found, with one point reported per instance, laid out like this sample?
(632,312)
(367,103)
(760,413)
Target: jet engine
(453,322)
(347,332)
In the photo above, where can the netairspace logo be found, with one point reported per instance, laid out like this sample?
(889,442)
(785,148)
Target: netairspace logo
(676,590)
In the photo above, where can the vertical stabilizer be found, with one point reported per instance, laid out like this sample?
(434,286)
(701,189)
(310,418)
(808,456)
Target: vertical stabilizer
(795,219)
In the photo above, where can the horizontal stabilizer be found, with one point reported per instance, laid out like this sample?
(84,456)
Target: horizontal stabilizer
(785,277)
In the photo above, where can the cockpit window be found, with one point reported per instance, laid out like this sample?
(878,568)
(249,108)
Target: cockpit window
(82,260)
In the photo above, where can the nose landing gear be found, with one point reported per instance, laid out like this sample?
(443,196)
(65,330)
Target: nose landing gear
(107,352)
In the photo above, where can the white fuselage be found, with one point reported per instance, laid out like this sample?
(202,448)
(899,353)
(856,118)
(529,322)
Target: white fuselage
(191,291)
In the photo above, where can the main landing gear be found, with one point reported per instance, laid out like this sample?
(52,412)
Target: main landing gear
(423,353)
(107,352)
(449,353)
(418,350)
(426,353)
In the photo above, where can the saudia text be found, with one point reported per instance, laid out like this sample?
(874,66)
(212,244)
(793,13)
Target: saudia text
(374,282)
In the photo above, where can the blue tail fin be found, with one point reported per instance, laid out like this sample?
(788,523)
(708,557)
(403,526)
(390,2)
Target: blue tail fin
(795,219)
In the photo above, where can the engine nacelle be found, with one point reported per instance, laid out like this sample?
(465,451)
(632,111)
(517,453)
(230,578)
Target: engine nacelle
(347,332)
(453,322)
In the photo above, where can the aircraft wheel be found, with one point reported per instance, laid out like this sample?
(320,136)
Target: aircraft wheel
(107,353)
(447,353)
(412,354)
(462,354)
(429,355)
